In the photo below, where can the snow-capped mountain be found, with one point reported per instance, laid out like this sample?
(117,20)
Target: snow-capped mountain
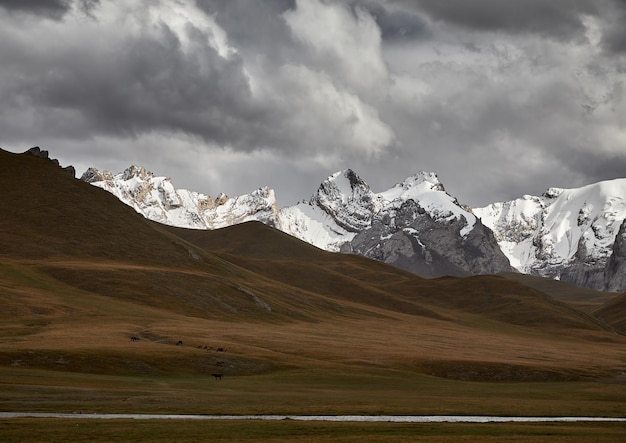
(156,198)
(565,233)
(342,206)
(343,214)
(615,271)
(416,225)
(422,229)
(569,234)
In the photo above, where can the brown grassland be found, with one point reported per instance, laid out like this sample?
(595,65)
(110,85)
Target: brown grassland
(292,329)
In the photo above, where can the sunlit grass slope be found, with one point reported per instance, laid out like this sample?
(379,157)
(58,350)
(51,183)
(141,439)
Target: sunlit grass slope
(88,287)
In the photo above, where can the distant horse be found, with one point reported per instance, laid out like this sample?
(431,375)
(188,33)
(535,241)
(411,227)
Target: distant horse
(217,376)
(133,338)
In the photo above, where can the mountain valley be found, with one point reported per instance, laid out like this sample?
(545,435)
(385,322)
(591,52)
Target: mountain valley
(105,310)
(567,234)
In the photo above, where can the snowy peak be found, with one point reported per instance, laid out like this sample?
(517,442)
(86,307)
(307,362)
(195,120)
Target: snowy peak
(425,188)
(564,233)
(543,235)
(423,229)
(552,193)
(346,198)
(137,172)
(421,181)
(93,175)
(344,206)
(258,205)
(156,198)
(345,185)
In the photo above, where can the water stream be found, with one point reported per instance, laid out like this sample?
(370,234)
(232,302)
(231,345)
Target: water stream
(336,418)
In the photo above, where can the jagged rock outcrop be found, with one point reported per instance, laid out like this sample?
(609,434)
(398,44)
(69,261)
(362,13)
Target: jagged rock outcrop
(342,206)
(415,225)
(429,244)
(41,153)
(566,234)
(346,198)
(615,272)
(93,175)
(582,270)
(157,199)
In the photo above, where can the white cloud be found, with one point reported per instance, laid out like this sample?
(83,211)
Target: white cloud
(242,93)
(326,118)
(346,43)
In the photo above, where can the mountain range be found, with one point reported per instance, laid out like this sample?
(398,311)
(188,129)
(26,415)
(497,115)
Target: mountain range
(106,310)
(575,235)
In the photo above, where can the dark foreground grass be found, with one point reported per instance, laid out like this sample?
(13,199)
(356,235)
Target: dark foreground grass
(303,392)
(94,431)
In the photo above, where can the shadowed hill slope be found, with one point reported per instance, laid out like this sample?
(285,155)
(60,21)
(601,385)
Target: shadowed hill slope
(585,299)
(48,214)
(74,261)
(272,253)
(614,313)
(86,238)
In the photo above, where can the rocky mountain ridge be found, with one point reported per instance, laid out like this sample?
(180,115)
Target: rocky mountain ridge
(156,198)
(415,225)
(567,234)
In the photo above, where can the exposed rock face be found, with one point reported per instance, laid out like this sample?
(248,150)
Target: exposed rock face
(411,238)
(93,175)
(157,199)
(417,226)
(582,270)
(347,199)
(38,152)
(342,206)
(615,273)
(566,234)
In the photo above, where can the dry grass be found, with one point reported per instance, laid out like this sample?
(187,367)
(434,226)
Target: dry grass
(584,299)
(71,431)
(302,331)
(614,313)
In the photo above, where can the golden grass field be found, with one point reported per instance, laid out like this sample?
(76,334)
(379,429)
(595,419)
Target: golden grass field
(292,329)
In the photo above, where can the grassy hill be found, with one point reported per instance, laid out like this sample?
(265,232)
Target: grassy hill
(293,329)
(614,313)
(584,299)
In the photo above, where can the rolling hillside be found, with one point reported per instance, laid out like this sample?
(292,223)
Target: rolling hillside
(81,274)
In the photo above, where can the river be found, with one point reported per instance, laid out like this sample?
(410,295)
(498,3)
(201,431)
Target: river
(336,418)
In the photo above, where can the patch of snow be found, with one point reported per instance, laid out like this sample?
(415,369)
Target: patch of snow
(533,231)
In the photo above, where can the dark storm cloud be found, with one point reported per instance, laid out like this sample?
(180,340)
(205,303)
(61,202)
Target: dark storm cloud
(239,92)
(560,19)
(144,83)
(255,27)
(168,68)
(54,9)
(395,24)
(614,38)
(595,166)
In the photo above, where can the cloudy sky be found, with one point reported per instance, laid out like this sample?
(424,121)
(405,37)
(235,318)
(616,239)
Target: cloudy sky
(499,97)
